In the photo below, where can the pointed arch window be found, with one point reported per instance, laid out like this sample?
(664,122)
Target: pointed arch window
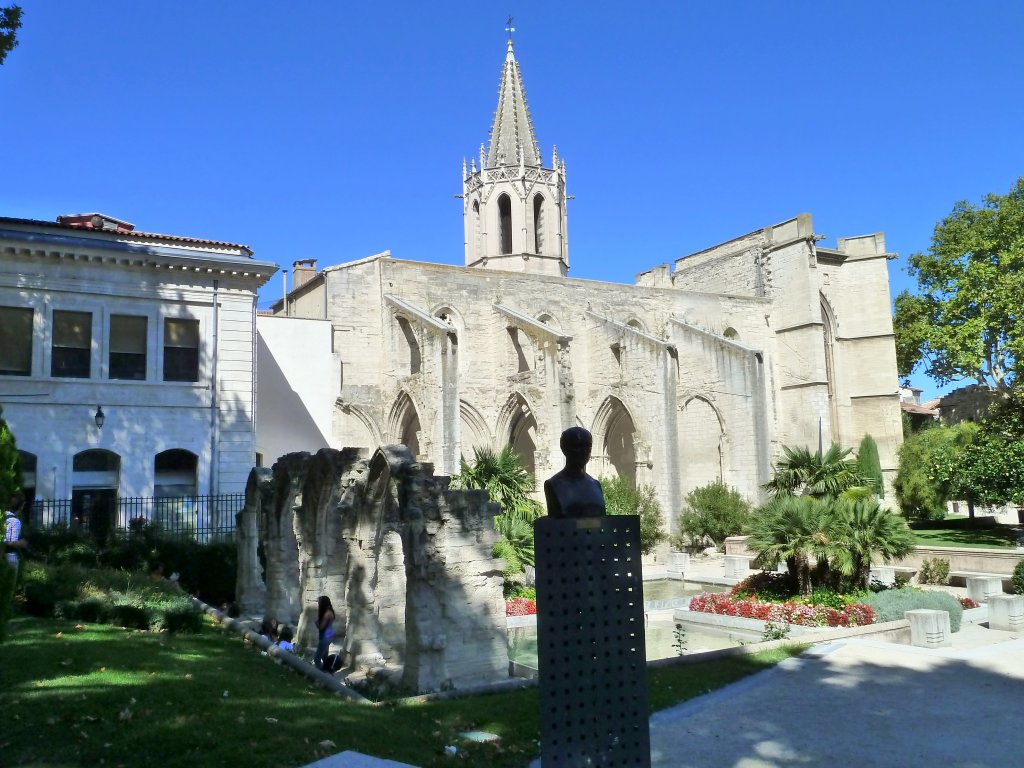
(505,223)
(538,223)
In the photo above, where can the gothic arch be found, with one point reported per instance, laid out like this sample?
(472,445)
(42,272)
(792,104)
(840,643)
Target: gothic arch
(548,319)
(829,332)
(504,224)
(538,223)
(615,439)
(637,324)
(408,346)
(475,433)
(404,423)
(517,426)
(374,436)
(701,443)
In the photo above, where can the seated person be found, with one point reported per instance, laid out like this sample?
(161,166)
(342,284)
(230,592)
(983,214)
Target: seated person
(285,643)
(269,629)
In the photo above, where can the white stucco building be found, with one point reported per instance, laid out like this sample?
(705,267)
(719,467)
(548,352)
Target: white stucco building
(700,371)
(158,331)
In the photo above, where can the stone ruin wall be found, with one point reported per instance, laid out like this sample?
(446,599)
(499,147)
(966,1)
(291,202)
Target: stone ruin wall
(405,560)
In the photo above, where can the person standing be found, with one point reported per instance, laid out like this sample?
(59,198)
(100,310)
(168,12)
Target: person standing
(14,543)
(325,629)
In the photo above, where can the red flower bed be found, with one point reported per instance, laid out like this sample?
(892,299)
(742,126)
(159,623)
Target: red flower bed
(520,606)
(854,615)
(967,602)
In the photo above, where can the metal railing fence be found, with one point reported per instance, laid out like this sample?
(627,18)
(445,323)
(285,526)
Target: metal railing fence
(203,518)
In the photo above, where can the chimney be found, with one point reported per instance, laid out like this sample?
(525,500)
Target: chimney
(303,271)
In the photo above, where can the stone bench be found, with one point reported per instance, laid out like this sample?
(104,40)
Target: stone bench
(678,562)
(1006,612)
(981,588)
(929,628)
(960,578)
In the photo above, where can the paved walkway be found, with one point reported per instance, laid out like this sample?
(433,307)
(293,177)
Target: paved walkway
(859,703)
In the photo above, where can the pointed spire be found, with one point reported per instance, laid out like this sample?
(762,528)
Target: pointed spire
(512,139)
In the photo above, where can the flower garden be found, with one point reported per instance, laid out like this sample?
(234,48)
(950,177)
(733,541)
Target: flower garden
(789,612)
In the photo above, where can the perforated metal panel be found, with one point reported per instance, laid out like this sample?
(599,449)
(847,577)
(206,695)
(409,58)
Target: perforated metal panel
(590,642)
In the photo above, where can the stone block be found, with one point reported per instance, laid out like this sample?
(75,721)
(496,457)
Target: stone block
(883,574)
(929,628)
(678,562)
(981,588)
(737,567)
(1006,612)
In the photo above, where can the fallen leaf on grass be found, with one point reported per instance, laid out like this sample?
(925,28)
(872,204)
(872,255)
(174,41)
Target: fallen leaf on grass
(270,719)
(225,694)
(327,744)
(188,675)
(103,669)
(66,663)
(125,716)
(59,635)
(241,720)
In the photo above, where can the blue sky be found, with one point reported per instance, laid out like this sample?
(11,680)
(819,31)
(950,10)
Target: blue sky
(337,130)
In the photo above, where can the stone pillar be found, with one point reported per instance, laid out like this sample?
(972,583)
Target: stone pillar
(929,628)
(981,588)
(678,562)
(737,567)
(883,574)
(1006,612)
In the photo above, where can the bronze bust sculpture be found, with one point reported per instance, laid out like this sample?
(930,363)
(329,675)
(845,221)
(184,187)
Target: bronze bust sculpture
(572,492)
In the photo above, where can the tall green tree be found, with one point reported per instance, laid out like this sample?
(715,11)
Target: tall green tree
(10,462)
(965,322)
(871,465)
(10,23)
(931,470)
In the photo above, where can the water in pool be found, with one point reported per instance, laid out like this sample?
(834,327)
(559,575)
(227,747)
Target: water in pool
(660,631)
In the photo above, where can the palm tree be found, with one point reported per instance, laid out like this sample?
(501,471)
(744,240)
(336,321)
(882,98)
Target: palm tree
(865,529)
(508,483)
(798,530)
(803,472)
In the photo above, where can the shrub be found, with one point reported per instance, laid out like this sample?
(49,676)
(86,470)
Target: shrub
(1018,578)
(776,587)
(77,553)
(933,571)
(710,514)
(893,603)
(621,498)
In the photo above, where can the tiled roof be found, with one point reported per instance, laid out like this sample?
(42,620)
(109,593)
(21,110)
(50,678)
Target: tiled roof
(918,409)
(126,235)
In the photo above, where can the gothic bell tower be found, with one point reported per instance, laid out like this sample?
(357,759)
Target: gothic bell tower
(514,206)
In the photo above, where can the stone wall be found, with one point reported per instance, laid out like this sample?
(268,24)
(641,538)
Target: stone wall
(405,560)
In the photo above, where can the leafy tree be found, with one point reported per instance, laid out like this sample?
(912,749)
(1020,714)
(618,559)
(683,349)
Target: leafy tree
(10,462)
(621,498)
(10,22)
(508,483)
(803,472)
(930,472)
(710,514)
(870,465)
(965,321)
(992,471)
(796,530)
(864,529)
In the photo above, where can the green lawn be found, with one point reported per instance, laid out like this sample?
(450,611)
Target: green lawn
(99,695)
(958,532)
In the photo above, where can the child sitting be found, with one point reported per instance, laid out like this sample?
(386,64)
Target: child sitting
(285,643)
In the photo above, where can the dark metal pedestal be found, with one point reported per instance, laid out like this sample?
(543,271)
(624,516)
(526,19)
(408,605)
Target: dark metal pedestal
(590,642)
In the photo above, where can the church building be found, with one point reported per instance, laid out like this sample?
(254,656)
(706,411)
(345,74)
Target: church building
(700,371)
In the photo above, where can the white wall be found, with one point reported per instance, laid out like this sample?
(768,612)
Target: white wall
(299,380)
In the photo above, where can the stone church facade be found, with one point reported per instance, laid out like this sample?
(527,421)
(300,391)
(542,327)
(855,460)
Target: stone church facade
(700,371)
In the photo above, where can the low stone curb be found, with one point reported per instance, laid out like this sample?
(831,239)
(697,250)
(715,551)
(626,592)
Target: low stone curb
(290,660)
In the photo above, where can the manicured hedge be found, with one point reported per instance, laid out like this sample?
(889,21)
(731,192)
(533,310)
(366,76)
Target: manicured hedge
(891,604)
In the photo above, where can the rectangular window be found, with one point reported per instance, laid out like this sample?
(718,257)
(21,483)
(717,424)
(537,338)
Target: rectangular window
(181,350)
(127,347)
(15,341)
(72,344)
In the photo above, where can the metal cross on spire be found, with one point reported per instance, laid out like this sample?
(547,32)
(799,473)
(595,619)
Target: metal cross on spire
(509,28)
